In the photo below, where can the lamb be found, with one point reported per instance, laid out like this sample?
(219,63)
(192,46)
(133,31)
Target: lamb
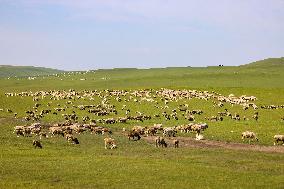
(110,143)
(278,138)
(176,143)
(250,135)
(199,137)
(37,144)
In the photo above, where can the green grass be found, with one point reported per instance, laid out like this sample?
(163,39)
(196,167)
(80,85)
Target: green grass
(24,71)
(139,164)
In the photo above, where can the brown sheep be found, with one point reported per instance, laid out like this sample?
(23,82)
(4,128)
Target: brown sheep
(133,135)
(110,143)
(37,144)
(160,141)
(151,131)
(176,143)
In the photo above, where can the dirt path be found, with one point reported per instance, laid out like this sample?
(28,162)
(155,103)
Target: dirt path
(192,143)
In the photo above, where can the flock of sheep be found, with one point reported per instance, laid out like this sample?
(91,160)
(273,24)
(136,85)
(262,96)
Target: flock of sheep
(93,116)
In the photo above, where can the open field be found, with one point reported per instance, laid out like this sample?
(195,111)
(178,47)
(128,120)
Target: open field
(222,160)
(25,71)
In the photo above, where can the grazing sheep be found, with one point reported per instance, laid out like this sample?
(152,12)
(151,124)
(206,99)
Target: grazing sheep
(250,135)
(106,130)
(73,140)
(255,116)
(278,138)
(42,135)
(139,129)
(163,143)
(157,141)
(151,131)
(160,141)
(56,131)
(133,135)
(158,126)
(19,130)
(176,143)
(122,120)
(37,144)
(197,128)
(169,132)
(110,143)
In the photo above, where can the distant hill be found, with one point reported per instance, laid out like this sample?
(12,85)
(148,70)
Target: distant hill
(21,71)
(269,62)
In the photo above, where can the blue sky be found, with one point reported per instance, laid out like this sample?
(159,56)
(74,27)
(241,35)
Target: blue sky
(93,34)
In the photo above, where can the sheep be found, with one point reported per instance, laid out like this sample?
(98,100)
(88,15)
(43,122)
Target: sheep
(106,130)
(163,143)
(199,137)
(151,131)
(255,116)
(139,129)
(37,144)
(97,130)
(196,128)
(122,120)
(109,143)
(56,131)
(160,126)
(176,143)
(19,130)
(133,135)
(42,134)
(250,135)
(70,138)
(169,131)
(160,141)
(157,141)
(278,138)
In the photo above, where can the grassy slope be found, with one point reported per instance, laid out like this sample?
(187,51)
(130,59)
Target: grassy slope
(22,71)
(138,164)
(269,62)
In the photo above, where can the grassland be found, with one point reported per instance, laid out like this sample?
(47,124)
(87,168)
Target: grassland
(24,71)
(139,164)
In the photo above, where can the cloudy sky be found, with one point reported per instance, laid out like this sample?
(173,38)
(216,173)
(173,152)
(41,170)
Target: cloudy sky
(92,34)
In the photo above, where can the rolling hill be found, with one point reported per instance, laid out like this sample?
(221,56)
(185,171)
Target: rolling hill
(22,71)
(269,62)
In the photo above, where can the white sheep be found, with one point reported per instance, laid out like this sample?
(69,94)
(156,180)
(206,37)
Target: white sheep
(199,137)
(278,138)
(250,135)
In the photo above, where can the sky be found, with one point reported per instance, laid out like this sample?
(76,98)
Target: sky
(96,34)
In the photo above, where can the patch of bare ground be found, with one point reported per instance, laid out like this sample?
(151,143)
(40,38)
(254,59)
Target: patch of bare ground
(188,142)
